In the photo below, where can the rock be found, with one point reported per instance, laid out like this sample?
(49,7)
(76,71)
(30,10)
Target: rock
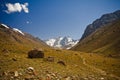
(48,77)
(67,78)
(11,73)
(29,78)
(49,59)
(30,68)
(4,73)
(31,71)
(101,78)
(35,54)
(16,74)
(62,63)
(5,51)
(14,59)
(52,74)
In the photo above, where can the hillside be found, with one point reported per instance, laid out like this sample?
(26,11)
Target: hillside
(105,40)
(56,64)
(104,20)
(14,40)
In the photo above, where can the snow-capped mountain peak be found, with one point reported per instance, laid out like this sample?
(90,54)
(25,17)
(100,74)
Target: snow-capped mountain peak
(61,42)
(17,30)
(5,26)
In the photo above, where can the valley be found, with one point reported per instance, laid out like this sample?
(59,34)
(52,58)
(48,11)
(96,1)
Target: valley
(95,57)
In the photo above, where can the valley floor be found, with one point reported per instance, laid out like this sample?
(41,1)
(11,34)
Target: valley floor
(74,66)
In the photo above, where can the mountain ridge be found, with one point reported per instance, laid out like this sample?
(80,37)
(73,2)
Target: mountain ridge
(61,42)
(104,40)
(13,37)
(100,22)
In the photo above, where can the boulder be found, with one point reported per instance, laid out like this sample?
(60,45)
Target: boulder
(35,54)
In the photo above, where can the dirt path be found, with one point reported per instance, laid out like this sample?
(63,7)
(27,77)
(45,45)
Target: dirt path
(102,72)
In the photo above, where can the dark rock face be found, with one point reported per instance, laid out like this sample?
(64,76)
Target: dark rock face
(35,54)
(103,21)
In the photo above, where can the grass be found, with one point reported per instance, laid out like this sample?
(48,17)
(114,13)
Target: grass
(73,60)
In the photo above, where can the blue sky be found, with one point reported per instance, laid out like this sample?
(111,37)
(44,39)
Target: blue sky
(52,18)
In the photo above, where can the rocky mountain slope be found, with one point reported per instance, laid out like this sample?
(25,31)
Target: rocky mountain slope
(13,39)
(61,42)
(102,21)
(105,40)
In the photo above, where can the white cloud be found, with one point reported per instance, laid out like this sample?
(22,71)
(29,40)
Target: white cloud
(17,7)
(24,6)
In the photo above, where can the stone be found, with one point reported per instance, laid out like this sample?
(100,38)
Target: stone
(101,78)
(30,68)
(14,59)
(35,54)
(16,74)
(49,59)
(67,78)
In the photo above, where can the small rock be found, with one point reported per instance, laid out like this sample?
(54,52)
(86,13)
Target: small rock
(16,74)
(14,59)
(28,78)
(49,59)
(30,68)
(48,77)
(67,78)
(20,74)
(102,78)
(53,75)
(4,73)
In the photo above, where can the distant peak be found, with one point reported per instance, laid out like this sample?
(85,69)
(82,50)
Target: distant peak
(61,42)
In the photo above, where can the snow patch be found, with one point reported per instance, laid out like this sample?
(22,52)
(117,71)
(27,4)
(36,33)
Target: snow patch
(61,42)
(5,26)
(50,42)
(17,30)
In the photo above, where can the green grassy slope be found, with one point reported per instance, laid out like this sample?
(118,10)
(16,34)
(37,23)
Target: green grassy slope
(104,40)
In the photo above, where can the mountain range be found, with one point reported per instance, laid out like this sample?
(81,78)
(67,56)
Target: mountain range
(102,36)
(61,42)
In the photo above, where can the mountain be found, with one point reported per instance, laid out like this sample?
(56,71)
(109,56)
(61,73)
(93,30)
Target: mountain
(13,39)
(61,42)
(105,40)
(56,64)
(102,21)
